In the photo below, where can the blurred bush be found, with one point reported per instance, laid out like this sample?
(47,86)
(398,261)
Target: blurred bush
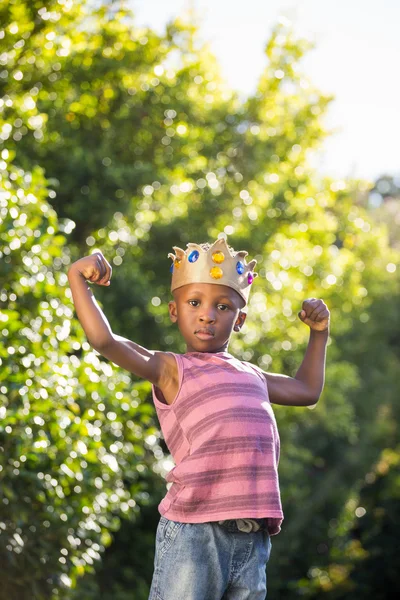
(117,138)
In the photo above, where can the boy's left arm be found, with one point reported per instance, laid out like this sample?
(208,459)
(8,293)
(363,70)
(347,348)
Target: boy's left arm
(305,387)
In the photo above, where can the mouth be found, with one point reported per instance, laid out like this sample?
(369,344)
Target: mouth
(204,333)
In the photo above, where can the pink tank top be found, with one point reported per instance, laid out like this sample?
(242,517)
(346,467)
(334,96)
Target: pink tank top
(222,435)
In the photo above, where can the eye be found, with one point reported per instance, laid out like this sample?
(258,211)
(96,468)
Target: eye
(223,307)
(194,302)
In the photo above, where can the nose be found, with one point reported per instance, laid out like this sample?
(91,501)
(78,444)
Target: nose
(207,316)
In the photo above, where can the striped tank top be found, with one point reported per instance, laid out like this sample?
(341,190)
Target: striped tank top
(222,435)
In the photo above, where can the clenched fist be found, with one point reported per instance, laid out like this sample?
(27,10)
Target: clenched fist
(94,268)
(315,314)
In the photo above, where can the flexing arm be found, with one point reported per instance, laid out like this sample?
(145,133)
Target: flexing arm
(92,319)
(305,387)
(156,367)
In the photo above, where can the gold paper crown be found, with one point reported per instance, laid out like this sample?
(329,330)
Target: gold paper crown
(215,265)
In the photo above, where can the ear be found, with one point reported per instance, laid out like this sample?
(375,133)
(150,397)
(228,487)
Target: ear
(240,321)
(173,312)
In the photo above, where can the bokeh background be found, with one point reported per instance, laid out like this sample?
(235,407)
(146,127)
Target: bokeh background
(129,138)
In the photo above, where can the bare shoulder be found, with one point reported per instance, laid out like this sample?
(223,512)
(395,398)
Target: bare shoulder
(157,367)
(167,365)
(168,382)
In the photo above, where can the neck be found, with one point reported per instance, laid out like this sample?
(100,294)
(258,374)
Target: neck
(223,348)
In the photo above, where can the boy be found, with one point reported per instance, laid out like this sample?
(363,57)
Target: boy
(213,538)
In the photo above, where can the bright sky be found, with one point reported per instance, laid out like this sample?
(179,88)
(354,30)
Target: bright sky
(356,59)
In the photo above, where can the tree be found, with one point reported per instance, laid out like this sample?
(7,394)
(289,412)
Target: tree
(143,147)
(364,555)
(76,436)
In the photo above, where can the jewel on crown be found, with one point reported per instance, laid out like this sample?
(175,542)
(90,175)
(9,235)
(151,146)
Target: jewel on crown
(217,264)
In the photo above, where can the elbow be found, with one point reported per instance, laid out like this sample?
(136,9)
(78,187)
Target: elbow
(312,399)
(99,344)
(310,395)
(311,402)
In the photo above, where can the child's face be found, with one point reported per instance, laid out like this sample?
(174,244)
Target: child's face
(206,314)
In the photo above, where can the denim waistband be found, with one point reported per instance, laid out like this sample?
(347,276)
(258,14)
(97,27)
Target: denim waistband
(235,525)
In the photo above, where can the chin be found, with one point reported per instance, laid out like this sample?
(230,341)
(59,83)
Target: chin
(203,346)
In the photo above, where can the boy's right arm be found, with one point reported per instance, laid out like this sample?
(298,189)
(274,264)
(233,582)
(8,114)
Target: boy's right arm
(157,367)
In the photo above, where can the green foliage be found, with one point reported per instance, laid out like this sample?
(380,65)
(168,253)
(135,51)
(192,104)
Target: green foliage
(76,436)
(364,554)
(118,138)
(383,201)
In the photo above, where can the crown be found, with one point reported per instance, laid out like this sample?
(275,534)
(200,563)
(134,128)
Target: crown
(216,265)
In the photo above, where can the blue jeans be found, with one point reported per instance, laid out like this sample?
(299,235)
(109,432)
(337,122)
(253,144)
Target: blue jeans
(208,561)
